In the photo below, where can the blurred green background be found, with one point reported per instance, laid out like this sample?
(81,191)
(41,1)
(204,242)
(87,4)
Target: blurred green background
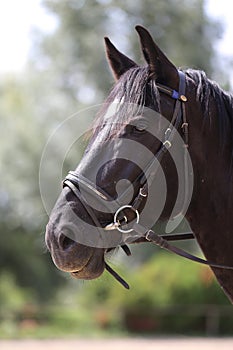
(67,71)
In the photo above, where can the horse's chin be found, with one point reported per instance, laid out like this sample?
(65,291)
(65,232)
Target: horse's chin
(93,269)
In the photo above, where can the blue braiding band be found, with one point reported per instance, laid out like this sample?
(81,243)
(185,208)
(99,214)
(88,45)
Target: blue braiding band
(175,94)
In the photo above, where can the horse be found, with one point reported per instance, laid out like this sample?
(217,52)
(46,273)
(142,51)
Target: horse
(111,198)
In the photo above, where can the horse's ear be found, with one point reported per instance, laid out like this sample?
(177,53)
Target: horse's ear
(117,60)
(160,66)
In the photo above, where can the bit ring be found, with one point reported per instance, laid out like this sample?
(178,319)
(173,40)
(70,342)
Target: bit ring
(116,221)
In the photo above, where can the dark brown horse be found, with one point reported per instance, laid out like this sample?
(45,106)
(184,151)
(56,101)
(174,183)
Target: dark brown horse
(117,190)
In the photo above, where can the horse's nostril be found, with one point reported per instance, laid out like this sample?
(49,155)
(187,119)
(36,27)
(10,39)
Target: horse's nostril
(65,242)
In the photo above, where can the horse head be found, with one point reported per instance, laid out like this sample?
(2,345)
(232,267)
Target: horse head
(114,186)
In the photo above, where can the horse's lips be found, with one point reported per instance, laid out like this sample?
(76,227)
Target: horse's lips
(82,274)
(78,275)
(90,270)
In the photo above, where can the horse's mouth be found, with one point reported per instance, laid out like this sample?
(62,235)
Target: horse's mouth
(87,272)
(91,270)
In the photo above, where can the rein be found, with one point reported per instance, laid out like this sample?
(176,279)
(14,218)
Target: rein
(137,232)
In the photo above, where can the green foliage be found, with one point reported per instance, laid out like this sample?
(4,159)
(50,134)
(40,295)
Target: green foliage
(12,298)
(75,50)
(169,280)
(13,302)
(167,293)
(22,217)
(24,258)
(162,281)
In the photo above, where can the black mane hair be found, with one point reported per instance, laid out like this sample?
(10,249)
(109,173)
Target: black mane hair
(207,89)
(137,88)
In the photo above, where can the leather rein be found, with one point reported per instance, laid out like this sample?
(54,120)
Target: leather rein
(137,232)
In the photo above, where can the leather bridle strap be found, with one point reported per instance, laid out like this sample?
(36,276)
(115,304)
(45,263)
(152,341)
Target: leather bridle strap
(178,119)
(160,241)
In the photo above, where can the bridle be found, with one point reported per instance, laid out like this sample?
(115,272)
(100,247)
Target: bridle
(75,181)
(120,219)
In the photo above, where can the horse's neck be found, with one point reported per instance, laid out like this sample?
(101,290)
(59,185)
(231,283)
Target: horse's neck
(213,185)
(211,208)
(210,212)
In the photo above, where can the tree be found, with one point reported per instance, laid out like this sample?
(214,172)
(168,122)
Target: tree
(75,50)
(22,218)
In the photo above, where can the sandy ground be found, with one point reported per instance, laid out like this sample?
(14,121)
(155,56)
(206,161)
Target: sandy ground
(121,344)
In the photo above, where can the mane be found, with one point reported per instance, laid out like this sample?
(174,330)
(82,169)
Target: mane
(206,91)
(135,89)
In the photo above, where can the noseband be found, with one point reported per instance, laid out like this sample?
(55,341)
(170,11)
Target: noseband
(120,220)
